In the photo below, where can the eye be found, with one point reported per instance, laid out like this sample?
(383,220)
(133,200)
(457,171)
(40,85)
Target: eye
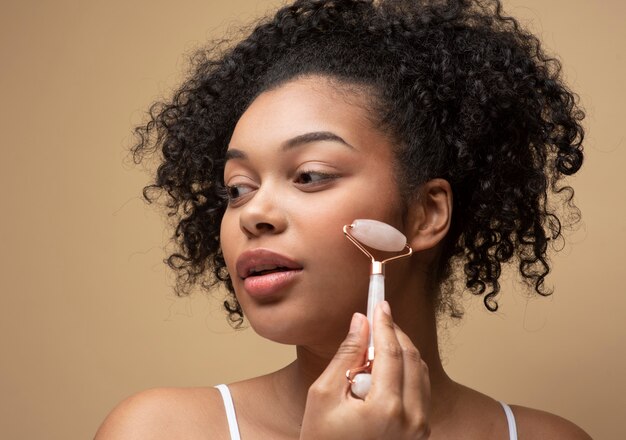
(237,191)
(313,177)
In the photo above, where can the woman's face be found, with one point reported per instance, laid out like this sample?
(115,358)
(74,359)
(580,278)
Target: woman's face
(303,162)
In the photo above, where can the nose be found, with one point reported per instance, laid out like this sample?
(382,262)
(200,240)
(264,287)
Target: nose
(262,214)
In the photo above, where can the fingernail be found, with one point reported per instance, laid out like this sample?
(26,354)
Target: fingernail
(385,306)
(356,323)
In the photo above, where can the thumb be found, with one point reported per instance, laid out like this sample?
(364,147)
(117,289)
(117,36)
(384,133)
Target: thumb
(350,354)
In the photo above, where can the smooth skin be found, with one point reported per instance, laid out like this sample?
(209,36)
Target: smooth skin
(292,193)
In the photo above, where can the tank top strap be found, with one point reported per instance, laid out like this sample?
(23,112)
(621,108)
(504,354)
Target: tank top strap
(510,418)
(233,426)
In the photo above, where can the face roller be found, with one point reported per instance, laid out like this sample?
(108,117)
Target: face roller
(383,237)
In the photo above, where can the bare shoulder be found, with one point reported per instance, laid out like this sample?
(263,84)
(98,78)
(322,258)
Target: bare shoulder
(537,424)
(166,413)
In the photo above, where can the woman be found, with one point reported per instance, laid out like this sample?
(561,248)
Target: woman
(442,119)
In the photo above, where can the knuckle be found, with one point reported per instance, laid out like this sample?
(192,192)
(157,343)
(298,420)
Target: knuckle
(318,390)
(389,325)
(349,347)
(392,350)
(393,409)
(412,354)
(352,338)
(423,432)
(420,427)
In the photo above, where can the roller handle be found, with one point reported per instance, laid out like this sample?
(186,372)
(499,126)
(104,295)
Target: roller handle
(362,382)
(376,295)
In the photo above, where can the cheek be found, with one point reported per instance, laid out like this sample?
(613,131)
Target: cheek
(341,269)
(346,268)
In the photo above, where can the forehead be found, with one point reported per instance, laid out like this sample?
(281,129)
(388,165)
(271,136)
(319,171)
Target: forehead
(304,105)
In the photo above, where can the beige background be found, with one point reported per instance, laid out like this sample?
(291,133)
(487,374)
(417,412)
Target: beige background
(87,314)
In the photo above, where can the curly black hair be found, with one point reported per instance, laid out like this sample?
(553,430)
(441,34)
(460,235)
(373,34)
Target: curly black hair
(467,93)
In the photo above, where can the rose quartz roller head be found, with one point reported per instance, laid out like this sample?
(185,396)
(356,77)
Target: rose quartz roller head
(383,237)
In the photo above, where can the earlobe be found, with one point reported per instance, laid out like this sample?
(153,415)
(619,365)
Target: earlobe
(429,215)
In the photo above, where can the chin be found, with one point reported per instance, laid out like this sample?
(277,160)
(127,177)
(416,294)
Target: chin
(291,331)
(279,332)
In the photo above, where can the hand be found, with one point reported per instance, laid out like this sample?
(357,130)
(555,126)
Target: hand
(398,404)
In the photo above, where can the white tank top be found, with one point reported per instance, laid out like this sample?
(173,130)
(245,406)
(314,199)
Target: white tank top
(233,426)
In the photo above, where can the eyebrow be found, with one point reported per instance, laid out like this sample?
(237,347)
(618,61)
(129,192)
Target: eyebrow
(306,138)
(315,136)
(234,154)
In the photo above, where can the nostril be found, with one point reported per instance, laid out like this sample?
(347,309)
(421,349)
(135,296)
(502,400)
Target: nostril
(261,216)
(264,227)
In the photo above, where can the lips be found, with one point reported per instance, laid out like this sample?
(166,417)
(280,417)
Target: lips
(265,272)
(257,262)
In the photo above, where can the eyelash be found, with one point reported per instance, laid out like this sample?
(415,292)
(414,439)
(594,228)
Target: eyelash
(229,189)
(322,178)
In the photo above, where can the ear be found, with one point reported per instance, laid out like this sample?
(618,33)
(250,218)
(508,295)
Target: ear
(429,215)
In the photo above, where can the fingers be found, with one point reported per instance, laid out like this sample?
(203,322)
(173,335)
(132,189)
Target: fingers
(415,376)
(398,367)
(387,371)
(397,405)
(351,354)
